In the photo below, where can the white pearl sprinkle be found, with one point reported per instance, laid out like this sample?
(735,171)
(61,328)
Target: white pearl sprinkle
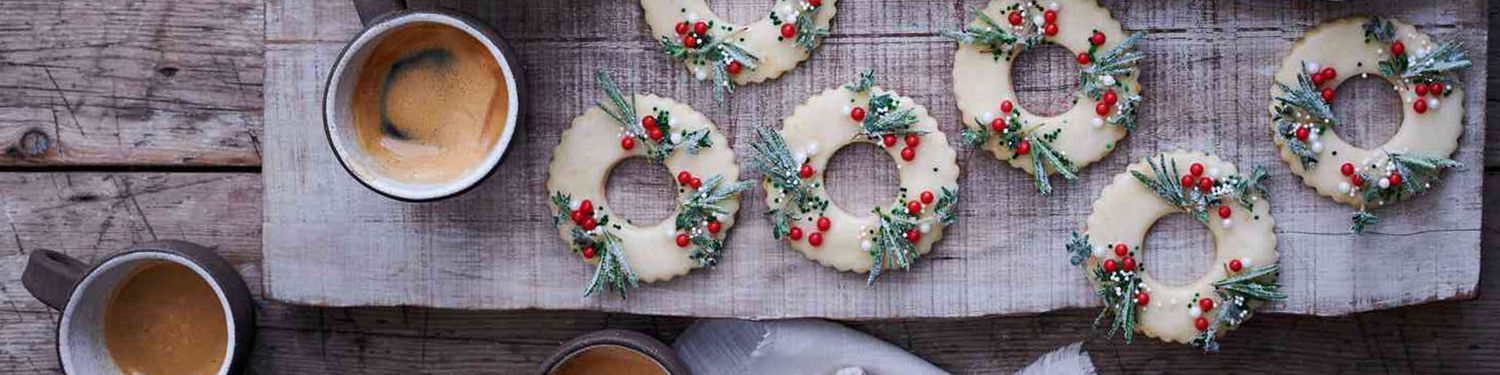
(1313,68)
(1343,187)
(700,74)
(848,109)
(987,117)
(1097,122)
(1054,6)
(1227,223)
(1245,262)
(865,245)
(925,228)
(1101,251)
(1107,80)
(1038,19)
(812,149)
(575,204)
(692,17)
(677,137)
(1194,312)
(1432,103)
(1385,182)
(801,157)
(1317,146)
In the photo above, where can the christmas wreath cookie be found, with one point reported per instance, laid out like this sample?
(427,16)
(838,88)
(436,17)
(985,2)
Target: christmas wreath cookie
(1234,208)
(665,132)
(793,160)
(1422,71)
(1104,109)
(734,55)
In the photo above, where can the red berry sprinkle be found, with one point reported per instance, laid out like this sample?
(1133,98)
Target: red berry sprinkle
(1328,94)
(1129,264)
(701,28)
(684,177)
(1347,169)
(1398,48)
(1050,29)
(1196,169)
(1303,133)
(1050,16)
(1206,304)
(1141,298)
(689,41)
(914,207)
(1224,212)
(589,224)
(857,114)
(1083,59)
(1110,265)
(815,3)
(1015,18)
(908,154)
(1205,184)
(788,30)
(683,240)
(815,239)
(1121,249)
(1317,79)
(682,28)
(888,139)
(795,234)
(589,252)
(1187,181)
(805,172)
(655,134)
(997,124)
(1328,74)
(1023,148)
(577,217)
(1357,180)
(1201,324)
(735,67)
(1006,106)
(913,140)
(695,183)
(1436,88)
(1395,179)
(649,122)
(1102,109)
(913,236)
(627,142)
(927,197)
(1235,265)
(1110,97)
(824,224)
(586,207)
(715,226)
(1421,89)
(1420,106)
(1097,39)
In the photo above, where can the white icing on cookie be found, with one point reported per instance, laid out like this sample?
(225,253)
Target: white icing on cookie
(762,38)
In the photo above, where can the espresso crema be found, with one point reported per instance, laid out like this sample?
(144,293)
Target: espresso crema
(166,320)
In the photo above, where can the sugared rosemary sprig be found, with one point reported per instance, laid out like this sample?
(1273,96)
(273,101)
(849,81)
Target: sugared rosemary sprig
(1118,289)
(1418,173)
(890,243)
(612,270)
(1079,248)
(809,35)
(716,54)
(779,167)
(624,112)
(1043,156)
(1379,29)
(1436,65)
(942,209)
(702,206)
(1298,106)
(1108,66)
(885,115)
(1164,182)
(1237,293)
(1003,43)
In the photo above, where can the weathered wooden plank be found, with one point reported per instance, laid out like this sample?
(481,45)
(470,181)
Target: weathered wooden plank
(1445,337)
(463,252)
(174,82)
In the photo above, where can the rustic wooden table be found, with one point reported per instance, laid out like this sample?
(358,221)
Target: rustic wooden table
(131,121)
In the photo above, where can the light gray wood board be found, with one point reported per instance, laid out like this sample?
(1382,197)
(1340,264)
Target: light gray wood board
(328,241)
(132,83)
(90,215)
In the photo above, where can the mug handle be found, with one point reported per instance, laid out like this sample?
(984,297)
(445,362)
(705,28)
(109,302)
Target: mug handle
(371,10)
(50,277)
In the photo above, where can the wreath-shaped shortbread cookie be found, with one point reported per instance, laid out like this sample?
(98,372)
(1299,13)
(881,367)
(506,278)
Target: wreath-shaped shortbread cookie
(1235,211)
(1422,72)
(665,132)
(735,55)
(793,162)
(1104,109)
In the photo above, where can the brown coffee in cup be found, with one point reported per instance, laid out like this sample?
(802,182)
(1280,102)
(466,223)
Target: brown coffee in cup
(165,319)
(429,104)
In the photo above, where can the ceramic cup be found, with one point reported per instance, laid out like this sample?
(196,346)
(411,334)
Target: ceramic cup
(381,17)
(83,293)
(629,340)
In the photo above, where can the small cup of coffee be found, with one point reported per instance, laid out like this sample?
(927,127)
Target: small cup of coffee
(422,104)
(614,351)
(169,307)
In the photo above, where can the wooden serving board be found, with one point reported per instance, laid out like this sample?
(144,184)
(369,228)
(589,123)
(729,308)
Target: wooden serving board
(329,241)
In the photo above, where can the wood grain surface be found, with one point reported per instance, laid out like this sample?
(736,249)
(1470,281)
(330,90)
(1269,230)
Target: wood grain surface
(329,241)
(91,214)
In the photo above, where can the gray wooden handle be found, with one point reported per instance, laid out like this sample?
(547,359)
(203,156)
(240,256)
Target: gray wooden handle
(50,277)
(370,10)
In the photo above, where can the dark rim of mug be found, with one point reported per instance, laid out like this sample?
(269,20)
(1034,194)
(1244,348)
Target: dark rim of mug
(494,38)
(229,281)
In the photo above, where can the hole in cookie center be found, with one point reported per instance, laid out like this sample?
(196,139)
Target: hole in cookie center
(1368,111)
(1045,79)
(641,192)
(861,177)
(1178,249)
